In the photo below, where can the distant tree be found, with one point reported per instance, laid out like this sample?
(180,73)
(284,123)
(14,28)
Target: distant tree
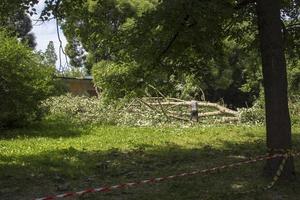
(23,27)
(75,52)
(19,24)
(50,56)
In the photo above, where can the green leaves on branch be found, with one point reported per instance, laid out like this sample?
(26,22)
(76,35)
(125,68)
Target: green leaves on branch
(118,79)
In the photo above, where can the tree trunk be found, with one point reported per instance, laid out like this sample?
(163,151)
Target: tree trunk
(278,124)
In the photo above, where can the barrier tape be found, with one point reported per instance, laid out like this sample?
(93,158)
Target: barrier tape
(278,172)
(160,179)
(288,153)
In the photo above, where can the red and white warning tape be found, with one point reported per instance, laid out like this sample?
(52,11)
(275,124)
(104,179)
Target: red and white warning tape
(160,179)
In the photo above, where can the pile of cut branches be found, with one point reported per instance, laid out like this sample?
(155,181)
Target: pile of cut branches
(177,109)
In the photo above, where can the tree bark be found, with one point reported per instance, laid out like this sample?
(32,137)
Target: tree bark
(278,124)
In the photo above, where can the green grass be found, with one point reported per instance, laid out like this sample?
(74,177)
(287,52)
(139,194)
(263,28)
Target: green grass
(48,159)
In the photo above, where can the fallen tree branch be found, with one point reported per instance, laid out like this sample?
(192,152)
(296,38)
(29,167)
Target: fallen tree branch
(163,110)
(200,103)
(157,91)
(166,98)
(148,105)
(156,110)
(164,106)
(130,105)
(219,107)
(207,114)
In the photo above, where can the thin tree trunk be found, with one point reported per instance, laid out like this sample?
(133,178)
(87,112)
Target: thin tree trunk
(278,124)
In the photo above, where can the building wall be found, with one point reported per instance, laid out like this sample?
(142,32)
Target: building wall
(80,86)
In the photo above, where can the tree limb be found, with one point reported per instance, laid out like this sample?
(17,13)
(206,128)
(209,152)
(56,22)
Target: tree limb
(175,36)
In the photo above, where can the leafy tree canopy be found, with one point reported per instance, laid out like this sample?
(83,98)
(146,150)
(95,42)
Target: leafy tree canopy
(215,42)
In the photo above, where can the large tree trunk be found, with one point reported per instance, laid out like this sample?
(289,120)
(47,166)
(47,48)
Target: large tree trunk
(278,122)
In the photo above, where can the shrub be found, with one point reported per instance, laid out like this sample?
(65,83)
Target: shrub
(256,114)
(24,82)
(295,109)
(294,78)
(253,115)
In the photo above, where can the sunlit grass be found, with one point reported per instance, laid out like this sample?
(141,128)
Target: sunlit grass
(51,159)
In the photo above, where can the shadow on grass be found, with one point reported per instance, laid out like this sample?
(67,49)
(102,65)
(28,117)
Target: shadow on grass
(49,129)
(72,169)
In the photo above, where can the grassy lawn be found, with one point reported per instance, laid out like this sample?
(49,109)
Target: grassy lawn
(52,159)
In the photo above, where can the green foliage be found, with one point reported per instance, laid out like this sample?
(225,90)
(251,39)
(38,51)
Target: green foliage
(24,82)
(295,109)
(253,115)
(20,25)
(212,41)
(9,8)
(95,27)
(50,56)
(216,80)
(76,54)
(294,77)
(78,72)
(113,31)
(117,79)
(190,89)
(256,113)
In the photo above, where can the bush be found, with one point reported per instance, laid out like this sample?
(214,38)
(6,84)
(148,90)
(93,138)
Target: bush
(256,114)
(253,115)
(294,78)
(24,82)
(295,109)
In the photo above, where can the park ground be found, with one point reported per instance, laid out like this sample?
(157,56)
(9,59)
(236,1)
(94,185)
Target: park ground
(52,159)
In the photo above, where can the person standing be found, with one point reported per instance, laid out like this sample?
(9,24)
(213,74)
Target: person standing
(194,111)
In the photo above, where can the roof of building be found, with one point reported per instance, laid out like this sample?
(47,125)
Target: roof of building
(77,78)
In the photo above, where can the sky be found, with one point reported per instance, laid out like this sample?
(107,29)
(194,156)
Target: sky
(46,32)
